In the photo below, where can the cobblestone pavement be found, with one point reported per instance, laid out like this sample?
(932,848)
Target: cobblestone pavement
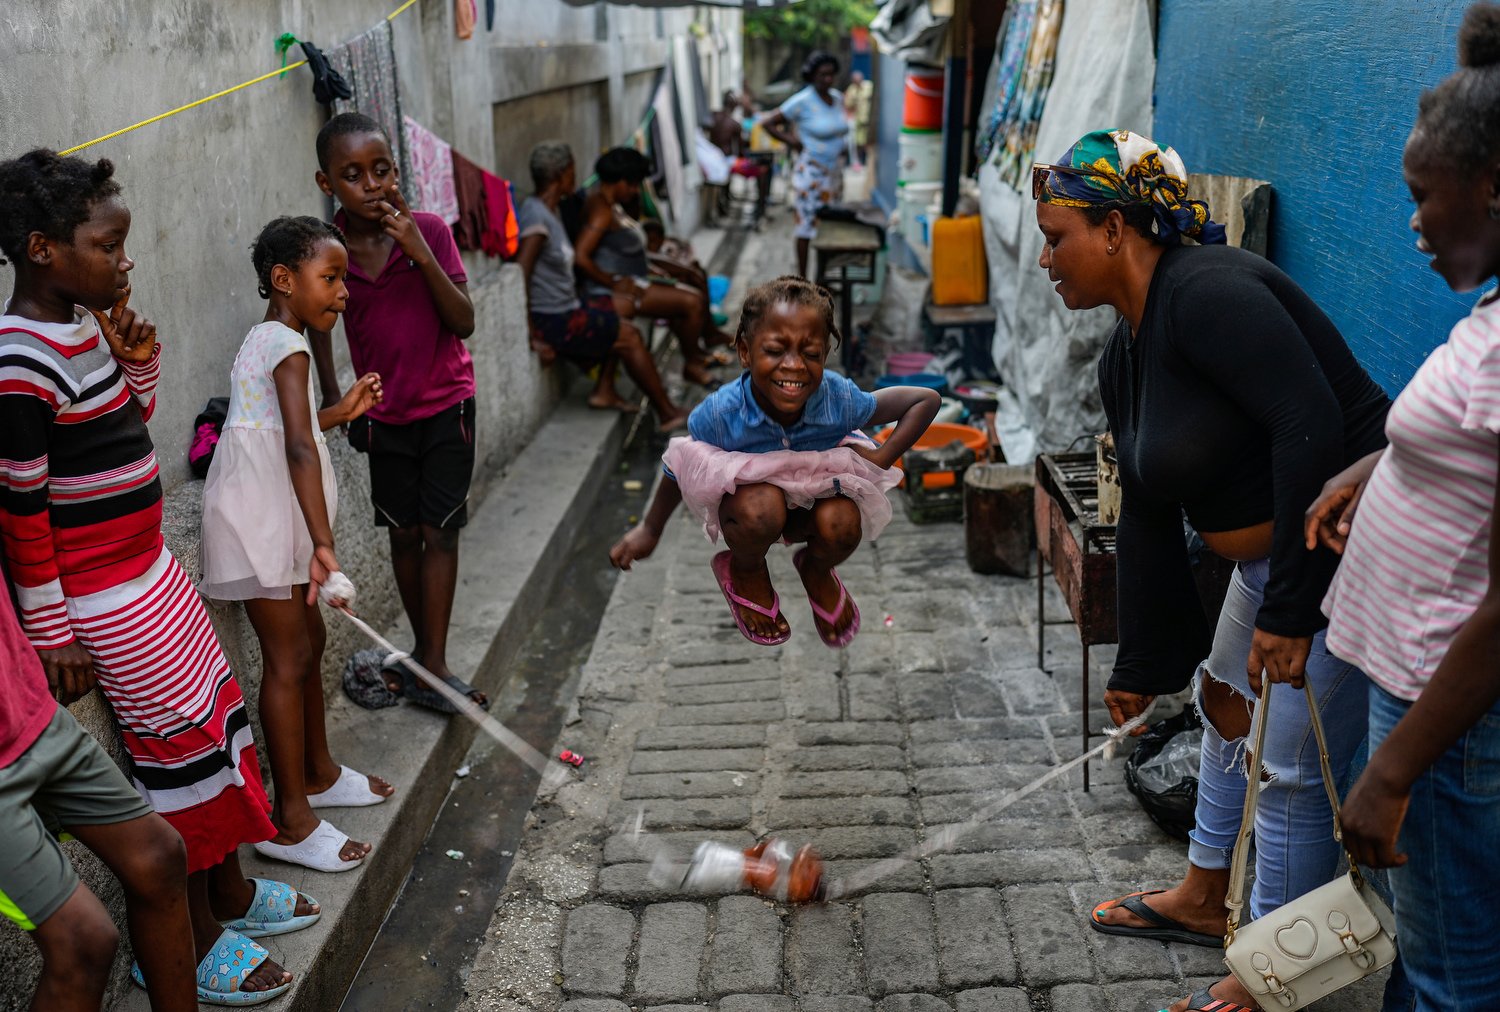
(862,752)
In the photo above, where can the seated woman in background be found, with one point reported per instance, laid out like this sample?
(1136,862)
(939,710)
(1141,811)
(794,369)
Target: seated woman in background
(560,323)
(611,255)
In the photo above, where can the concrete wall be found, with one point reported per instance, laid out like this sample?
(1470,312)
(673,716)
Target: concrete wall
(1318,98)
(200,186)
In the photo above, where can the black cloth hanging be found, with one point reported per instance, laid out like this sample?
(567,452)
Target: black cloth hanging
(489,15)
(328,84)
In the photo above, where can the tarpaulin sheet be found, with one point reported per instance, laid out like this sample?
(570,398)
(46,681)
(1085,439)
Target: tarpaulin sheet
(1046,353)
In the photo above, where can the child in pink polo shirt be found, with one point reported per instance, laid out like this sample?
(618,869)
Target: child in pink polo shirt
(408,315)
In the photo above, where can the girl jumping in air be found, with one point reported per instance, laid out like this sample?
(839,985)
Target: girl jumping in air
(777,456)
(268,508)
(99,596)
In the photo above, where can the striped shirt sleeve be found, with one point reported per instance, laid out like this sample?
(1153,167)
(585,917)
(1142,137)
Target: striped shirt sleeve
(141,378)
(29,399)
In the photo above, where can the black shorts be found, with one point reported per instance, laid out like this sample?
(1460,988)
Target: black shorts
(420,472)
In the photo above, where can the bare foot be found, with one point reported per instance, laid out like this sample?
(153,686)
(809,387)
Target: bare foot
(755,585)
(697,372)
(614,403)
(674,423)
(1207,916)
(1229,989)
(823,590)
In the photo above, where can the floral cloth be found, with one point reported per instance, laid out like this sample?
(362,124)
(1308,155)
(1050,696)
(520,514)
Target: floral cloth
(430,187)
(1121,167)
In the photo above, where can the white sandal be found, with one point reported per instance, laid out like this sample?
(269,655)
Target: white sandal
(350,790)
(320,851)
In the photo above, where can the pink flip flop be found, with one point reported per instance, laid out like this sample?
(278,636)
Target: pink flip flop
(721,573)
(830,619)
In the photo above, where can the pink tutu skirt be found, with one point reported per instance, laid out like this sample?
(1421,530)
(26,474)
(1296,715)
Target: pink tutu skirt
(706,474)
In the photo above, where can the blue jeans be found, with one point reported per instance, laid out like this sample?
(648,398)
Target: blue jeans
(1295,851)
(1449,888)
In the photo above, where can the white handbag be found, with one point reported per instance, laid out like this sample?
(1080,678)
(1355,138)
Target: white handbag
(1320,942)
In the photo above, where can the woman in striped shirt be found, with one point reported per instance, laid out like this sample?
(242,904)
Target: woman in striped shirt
(1416,603)
(100,597)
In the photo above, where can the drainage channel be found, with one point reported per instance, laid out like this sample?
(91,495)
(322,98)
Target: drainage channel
(421,956)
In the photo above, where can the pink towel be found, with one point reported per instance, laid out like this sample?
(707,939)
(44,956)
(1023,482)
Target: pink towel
(432,171)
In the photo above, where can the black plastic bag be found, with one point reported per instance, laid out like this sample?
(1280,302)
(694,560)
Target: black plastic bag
(1171,803)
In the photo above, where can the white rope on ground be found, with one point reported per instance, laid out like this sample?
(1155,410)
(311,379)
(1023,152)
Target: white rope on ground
(553,775)
(947,837)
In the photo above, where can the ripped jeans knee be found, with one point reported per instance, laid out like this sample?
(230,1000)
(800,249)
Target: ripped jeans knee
(1222,773)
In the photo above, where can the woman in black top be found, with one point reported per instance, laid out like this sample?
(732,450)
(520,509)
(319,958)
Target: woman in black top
(1232,398)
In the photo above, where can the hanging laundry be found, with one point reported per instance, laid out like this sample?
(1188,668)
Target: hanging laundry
(489,15)
(328,84)
(468,187)
(430,186)
(486,210)
(465,16)
(502,236)
(368,63)
(668,150)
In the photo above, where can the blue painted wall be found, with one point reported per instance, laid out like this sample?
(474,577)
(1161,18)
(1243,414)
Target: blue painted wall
(1318,96)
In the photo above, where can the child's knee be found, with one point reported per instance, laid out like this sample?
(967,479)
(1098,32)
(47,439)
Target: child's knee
(836,522)
(78,944)
(158,865)
(755,511)
(443,539)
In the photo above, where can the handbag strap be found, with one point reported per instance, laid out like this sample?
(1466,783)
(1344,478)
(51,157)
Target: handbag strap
(1235,901)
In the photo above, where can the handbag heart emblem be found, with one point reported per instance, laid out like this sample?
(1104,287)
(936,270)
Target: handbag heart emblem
(1298,939)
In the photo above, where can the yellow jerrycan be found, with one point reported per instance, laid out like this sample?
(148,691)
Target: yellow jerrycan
(960,274)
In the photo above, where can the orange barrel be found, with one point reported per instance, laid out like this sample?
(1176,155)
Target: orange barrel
(924,100)
(959,269)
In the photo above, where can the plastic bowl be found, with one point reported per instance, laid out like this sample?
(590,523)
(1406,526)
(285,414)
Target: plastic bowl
(905,363)
(931,380)
(718,287)
(940,434)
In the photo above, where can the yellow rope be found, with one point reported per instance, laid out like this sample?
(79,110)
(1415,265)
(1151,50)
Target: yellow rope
(218,94)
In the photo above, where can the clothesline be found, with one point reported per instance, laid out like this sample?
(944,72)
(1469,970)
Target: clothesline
(208,98)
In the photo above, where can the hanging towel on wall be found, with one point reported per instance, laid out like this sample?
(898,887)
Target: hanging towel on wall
(368,63)
(468,186)
(465,15)
(486,210)
(502,234)
(430,187)
(669,147)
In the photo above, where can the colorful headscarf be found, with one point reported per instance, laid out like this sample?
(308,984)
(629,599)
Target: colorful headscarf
(1127,168)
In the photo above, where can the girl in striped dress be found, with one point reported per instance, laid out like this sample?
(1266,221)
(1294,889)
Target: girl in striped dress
(99,596)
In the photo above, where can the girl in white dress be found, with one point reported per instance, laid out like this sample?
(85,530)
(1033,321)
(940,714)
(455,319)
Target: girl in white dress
(268,509)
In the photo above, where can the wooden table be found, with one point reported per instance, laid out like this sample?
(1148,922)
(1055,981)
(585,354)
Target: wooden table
(846,255)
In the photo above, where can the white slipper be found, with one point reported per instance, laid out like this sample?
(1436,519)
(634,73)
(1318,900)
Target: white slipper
(350,790)
(320,851)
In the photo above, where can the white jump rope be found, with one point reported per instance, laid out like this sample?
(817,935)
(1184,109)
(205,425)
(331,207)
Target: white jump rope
(338,593)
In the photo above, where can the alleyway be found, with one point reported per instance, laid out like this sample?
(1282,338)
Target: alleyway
(861,752)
